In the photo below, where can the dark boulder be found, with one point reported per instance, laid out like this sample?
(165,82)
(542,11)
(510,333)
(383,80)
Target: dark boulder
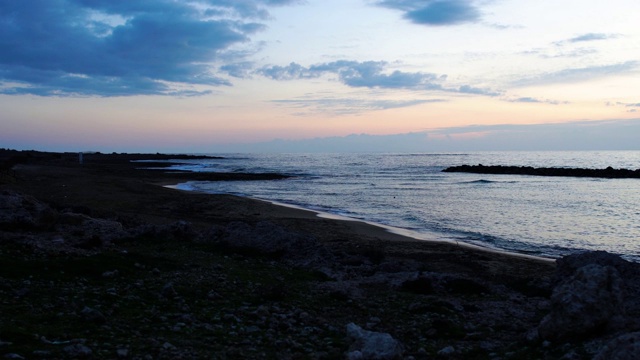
(597,293)
(585,304)
(624,347)
(567,266)
(19,211)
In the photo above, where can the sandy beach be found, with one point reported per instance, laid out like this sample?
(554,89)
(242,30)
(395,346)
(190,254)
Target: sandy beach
(222,276)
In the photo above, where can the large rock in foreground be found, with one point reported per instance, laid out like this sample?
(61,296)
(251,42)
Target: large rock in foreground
(589,301)
(597,294)
(624,347)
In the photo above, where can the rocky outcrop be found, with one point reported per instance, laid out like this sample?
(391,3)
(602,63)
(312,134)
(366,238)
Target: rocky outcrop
(46,228)
(543,171)
(371,345)
(87,230)
(567,266)
(589,301)
(596,295)
(629,272)
(624,347)
(18,211)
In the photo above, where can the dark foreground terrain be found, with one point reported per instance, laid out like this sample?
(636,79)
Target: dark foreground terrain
(99,262)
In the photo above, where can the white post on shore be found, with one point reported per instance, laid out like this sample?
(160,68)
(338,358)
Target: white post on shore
(80,157)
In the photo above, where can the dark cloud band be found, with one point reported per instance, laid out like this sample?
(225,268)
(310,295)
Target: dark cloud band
(116,48)
(435,12)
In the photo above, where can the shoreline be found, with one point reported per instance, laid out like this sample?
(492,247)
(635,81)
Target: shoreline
(406,233)
(117,189)
(414,235)
(69,182)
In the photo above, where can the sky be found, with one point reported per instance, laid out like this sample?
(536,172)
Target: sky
(319,75)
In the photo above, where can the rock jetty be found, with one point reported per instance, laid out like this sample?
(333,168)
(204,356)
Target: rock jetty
(609,172)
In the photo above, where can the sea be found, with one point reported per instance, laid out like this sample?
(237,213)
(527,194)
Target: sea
(532,215)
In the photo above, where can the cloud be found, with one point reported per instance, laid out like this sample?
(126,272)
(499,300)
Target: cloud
(579,74)
(631,107)
(370,74)
(575,47)
(555,52)
(531,100)
(588,37)
(618,103)
(525,100)
(239,69)
(435,12)
(336,106)
(466,89)
(592,37)
(290,72)
(62,84)
(119,48)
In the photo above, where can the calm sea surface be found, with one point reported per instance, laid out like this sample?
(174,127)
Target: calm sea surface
(545,216)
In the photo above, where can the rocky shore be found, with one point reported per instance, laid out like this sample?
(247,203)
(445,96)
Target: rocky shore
(609,172)
(100,262)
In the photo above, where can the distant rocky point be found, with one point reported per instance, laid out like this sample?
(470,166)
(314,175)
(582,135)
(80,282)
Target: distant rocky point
(609,172)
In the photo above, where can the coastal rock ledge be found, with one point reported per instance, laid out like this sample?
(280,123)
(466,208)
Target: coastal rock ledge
(596,302)
(609,172)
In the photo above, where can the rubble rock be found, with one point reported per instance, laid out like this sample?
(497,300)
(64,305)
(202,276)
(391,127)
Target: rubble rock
(624,347)
(271,239)
(589,301)
(78,351)
(568,265)
(18,211)
(93,315)
(372,345)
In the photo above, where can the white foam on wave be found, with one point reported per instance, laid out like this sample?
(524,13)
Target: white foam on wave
(432,237)
(182,186)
